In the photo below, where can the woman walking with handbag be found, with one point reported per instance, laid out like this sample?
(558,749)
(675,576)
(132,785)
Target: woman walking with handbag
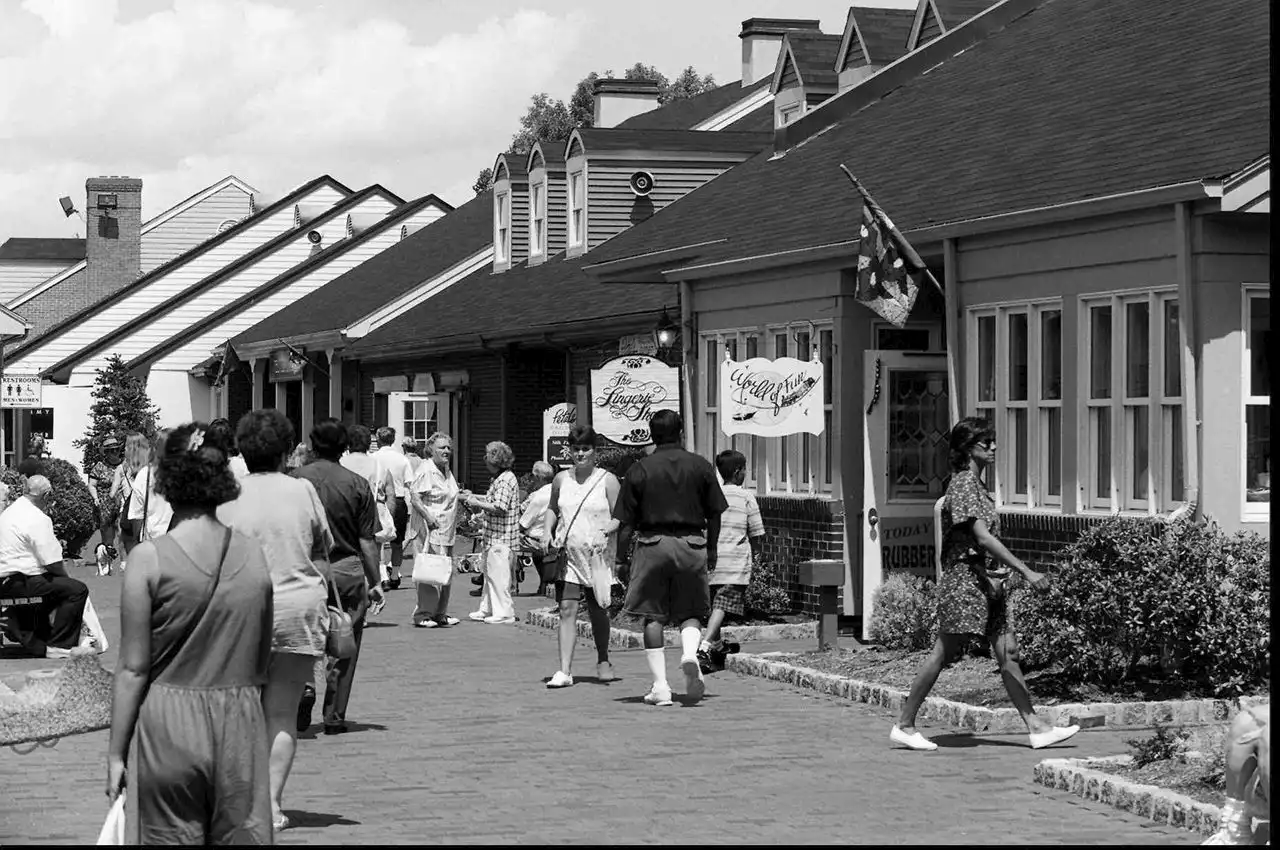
(196,619)
(433,500)
(583,533)
(971,594)
(284,515)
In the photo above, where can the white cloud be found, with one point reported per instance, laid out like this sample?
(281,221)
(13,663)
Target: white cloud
(275,95)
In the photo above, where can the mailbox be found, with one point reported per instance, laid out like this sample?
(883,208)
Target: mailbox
(827,576)
(822,573)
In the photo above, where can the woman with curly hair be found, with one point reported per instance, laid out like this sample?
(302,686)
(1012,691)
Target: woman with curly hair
(500,507)
(971,594)
(187,723)
(285,516)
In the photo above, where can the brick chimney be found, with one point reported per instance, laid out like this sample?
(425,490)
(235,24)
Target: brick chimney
(761,41)
(618,100)
(113,236)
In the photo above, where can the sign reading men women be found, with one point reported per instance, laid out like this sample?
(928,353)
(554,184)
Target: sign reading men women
(626,392)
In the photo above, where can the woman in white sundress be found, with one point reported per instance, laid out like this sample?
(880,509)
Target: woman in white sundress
(580,523)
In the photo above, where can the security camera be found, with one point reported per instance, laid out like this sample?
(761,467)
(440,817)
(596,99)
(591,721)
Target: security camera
(641,183)
(314,237)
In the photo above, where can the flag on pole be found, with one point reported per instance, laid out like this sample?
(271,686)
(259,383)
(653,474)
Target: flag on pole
(889,269)
(229,363)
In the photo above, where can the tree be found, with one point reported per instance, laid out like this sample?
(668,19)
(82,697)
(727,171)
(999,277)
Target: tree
(483,181)
(120,407)
(545,120)
(689,84)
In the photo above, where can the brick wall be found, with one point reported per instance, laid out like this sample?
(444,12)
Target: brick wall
(535,382)
(113,239)
(801,529)
(1038,539)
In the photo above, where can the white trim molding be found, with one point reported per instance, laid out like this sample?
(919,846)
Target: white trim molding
(393,310)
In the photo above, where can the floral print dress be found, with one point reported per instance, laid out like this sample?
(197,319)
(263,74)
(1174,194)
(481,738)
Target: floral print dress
(965,603)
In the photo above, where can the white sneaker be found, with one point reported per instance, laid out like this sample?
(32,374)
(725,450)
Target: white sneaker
(914,741)
(560,680)
(1049,737)
(658,697)
(477,616)
(499,621)
(693,684)
(56,652)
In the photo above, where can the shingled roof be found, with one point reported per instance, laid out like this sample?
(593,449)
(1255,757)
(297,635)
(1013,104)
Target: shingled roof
(690,112)
(658,141)
(36,248)
(384,277)
(1072,100)
(814,54)
(955,12)
(884,31)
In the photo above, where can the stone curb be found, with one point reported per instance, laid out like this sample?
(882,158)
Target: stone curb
(626,639)
(1114,716)
(1084,778)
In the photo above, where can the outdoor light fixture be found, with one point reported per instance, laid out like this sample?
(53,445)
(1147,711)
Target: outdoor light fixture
(666,331)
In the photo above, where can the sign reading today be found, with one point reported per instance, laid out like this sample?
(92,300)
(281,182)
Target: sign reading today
(20,391)
(771,398)
(906,545)
(626,392)
(557,420)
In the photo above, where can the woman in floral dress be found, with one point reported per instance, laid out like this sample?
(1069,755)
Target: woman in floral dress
(971,594)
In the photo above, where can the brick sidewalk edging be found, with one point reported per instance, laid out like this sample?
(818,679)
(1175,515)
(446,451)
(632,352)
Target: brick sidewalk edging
(1115,716)
(627,639)
(1085,778)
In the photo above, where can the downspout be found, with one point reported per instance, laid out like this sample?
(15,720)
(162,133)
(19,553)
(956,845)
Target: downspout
(688,347)
(951,299)
(1190,377)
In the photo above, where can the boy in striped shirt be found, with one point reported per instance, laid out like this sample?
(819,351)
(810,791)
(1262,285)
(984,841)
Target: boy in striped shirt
(740,542)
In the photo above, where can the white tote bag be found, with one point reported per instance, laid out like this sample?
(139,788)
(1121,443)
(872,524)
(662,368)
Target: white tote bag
(113,830)
(434,570)
(93,627)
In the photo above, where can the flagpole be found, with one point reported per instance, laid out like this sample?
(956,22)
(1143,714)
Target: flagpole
(903,244)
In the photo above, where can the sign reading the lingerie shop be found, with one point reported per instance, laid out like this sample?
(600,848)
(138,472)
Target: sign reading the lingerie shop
(771,398)
(556,422)
(626,392)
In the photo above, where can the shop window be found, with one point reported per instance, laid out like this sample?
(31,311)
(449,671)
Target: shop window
(1132,444)
(577,229)
(1257,404)
(502,245)
(1016,384)
(797,463)
(538,228)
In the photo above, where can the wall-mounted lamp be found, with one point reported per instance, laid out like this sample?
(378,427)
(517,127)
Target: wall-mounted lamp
(666,331)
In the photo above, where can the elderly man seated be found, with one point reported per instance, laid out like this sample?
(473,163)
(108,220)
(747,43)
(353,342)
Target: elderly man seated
(31,565)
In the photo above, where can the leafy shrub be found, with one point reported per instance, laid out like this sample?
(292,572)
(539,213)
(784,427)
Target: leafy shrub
(71,506)
(1166,744)
(904,612)
(1132,594)
(767,591)
(617,459)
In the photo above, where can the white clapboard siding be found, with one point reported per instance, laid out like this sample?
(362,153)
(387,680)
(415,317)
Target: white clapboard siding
(17,276)
(169,283)
(241,282)
(190,227)
(200,347)
(611,205)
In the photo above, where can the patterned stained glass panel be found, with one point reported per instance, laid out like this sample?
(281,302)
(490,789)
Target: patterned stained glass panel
(918,427)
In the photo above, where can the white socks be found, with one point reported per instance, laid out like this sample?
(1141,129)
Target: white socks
(689,640)
(658,666)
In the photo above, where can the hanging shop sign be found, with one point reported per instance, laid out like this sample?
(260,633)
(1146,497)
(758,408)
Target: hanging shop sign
(557,420)
(637,344)
(286,365)
(771,398)
(21,392)
(626,392)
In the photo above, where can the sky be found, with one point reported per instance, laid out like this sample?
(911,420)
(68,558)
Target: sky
(417,95)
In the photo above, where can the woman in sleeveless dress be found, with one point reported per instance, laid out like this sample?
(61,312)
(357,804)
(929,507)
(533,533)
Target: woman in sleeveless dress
(580,524)
(187,724)
(285,516)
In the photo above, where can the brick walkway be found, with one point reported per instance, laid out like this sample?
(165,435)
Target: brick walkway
(456,740)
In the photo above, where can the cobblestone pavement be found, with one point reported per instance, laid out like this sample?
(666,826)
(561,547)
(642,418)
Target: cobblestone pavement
(455,740)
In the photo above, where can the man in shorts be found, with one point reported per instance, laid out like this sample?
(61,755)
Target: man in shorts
(671,501)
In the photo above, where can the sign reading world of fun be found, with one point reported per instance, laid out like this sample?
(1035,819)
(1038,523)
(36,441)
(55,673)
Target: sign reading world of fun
(626,392)
(557,421)
(771,398)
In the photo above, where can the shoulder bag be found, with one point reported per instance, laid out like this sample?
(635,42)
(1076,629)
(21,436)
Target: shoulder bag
(341,640)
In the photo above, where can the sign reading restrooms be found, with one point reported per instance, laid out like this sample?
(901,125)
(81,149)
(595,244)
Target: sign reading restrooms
(626,392)
(771,398)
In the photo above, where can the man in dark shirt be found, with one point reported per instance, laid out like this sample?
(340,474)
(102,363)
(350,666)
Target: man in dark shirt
(672,502)
(353,560)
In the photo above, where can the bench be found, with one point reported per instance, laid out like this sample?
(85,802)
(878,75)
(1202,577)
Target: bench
(10,628)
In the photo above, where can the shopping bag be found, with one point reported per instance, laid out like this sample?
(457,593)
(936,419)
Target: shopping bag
(387,532)
(112,833)
(93,627)
(435,570)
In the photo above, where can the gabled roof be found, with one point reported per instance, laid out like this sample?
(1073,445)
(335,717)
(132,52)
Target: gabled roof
(530,299)
(953,13)
(874,36)
(515,164)
(551,153)
(759,120)
(813,54)
(383,277)
(37,248)
(1039,112)
(70,319)
(599,141)
(393,219)
(247,259)
(688,113)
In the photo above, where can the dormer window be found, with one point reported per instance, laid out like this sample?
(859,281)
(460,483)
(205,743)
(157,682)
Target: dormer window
(539,217)
(502,212)
(791,113)
(577,212)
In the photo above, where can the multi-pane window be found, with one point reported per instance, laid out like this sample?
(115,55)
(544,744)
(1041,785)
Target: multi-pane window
(502,245)
(576,211)
(538,231)
(1016,384)
(1257,403)
(1132,442)
(796,463)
